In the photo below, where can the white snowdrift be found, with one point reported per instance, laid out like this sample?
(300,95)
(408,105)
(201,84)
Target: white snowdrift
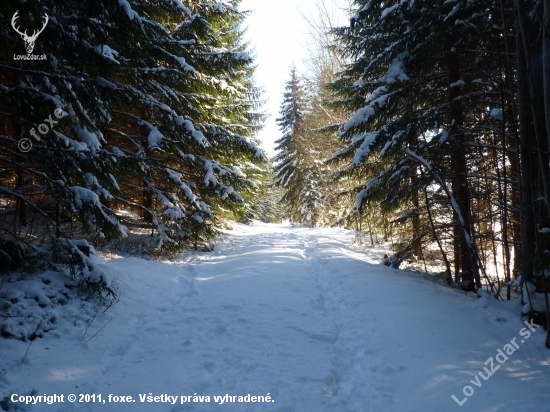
(289,313)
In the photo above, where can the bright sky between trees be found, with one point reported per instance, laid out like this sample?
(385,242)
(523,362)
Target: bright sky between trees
(279,34)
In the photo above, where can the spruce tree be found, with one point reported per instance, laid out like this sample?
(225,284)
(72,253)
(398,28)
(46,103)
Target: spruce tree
(290,163)
(419,101)
(159,109)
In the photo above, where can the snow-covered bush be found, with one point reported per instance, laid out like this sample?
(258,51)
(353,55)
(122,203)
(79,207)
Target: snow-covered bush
(82,262)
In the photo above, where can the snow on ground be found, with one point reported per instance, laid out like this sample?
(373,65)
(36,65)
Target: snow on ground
(290,313)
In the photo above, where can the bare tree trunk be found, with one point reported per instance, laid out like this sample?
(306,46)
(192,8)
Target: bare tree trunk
(21,205)
(448,275)
(515,196)
(527,208)
(543,162)
(147,202)
(417,248)
(546,80)
(57,220)
(468,261)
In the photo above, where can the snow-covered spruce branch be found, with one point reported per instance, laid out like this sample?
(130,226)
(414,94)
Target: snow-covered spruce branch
(161,228)
(28,202)
(45,74)
(471,247)
(453,201)
(33,171)
(494,130)
(137,205)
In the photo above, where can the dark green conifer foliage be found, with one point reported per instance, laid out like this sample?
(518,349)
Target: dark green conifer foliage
(161,110)
(290,162)
(415,91)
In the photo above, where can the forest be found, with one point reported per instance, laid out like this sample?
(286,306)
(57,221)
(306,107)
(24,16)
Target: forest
(419,124)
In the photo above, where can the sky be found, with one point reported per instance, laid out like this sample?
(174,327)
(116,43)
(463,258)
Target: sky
(278,34)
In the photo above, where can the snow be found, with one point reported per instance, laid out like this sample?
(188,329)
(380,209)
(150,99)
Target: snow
(105,83)
(457,83)
(452,12)
(387,11)
(107,52)
(181,60)
(177,179)
(378,97)
(535,301)
(170,204)
(93,184)
(394,140)
(497,114)
(291,313)
(183,64)
(155,136)
(180,6)
(396,71)
(242,55)
(199,137)
(360,198)
(209,176)
(85,197)
(253,146)
(188,124)
(365,148)
(362,116)
(239,172)
(90,139)
(228,190)
(128,10)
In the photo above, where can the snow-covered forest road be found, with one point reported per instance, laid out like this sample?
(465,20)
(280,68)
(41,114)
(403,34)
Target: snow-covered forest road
(290,312)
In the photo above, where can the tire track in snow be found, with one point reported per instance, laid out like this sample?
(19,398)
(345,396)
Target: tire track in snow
(266,331)
(359,383)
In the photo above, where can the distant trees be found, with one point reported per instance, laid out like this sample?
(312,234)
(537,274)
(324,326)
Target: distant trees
(290,166)
(161,110)
(310,192)
(299,165)
(266,206)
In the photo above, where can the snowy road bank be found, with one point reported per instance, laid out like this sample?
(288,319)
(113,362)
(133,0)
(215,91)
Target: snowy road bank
(289,313)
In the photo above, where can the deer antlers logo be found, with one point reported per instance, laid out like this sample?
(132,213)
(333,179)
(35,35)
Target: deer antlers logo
(29,40)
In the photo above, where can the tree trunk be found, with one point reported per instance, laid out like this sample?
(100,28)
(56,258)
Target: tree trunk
(467,260)
(417,247)
(21,205)
(513,157)
(527,208)
(546,81)
(543,161)
(147,202)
